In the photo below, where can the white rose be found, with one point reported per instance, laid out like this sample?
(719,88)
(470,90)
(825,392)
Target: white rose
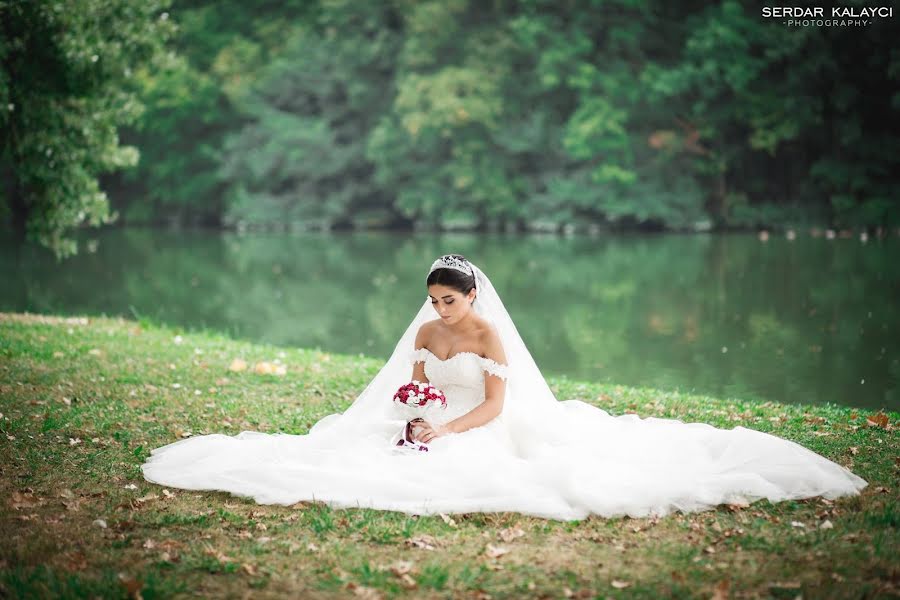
(421,396)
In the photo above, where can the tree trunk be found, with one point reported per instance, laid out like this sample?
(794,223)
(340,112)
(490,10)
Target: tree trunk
(18,206)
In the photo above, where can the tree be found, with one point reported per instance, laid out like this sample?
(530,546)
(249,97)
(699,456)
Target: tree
(65,89)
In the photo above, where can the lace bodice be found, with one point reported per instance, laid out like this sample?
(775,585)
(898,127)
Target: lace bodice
(460,377)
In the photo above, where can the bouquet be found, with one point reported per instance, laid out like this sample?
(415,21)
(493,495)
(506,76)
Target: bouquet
(416,400)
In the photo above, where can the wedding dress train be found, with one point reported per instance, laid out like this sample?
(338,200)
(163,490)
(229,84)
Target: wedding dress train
(591,462)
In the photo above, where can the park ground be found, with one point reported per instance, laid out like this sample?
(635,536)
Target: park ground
(85,399)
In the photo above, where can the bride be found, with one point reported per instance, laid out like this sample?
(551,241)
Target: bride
(503,443)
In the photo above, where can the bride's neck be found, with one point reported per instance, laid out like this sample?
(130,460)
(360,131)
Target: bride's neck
(465,325)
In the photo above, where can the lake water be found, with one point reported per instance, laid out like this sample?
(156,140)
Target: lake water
(810,320)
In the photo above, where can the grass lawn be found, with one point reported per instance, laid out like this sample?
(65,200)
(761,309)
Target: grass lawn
(84,400)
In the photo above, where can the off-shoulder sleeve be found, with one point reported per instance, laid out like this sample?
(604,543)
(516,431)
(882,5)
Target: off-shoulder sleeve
(418,355)
(494,368)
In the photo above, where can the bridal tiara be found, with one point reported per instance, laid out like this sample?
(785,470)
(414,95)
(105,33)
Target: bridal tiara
(451,262)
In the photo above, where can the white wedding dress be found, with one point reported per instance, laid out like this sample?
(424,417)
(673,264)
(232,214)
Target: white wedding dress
(541,457)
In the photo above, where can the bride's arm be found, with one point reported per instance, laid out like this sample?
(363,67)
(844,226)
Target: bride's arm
(494,391)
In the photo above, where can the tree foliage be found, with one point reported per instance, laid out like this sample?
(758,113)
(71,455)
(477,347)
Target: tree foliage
(525,114)
(65,88)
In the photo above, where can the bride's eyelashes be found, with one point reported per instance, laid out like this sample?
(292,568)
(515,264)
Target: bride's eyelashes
(448,302)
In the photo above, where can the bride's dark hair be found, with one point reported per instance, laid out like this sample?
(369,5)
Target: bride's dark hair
(452,278)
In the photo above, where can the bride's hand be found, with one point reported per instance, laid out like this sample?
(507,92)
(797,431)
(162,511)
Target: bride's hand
(425,431)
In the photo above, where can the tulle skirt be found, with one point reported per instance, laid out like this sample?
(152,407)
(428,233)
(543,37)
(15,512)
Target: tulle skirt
(597,464)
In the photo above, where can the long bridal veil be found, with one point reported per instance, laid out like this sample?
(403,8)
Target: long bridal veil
(614,465)
(530,407)
(568,459)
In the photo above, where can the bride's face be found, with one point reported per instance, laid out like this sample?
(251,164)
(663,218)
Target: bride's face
(450,304)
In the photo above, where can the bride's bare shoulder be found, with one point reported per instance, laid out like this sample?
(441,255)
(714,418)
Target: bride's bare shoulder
(424,333)
(489,340)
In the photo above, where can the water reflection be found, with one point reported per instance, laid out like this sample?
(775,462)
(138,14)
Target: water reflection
(809,320)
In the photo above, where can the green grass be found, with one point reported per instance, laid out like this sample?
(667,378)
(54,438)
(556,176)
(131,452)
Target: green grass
(83,401)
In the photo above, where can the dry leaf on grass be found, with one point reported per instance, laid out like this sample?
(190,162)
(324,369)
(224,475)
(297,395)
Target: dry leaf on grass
(492,551)
(217,554)
(425,542)
(877,420)
(132,586)
(619,585)
(408,582)
(20,500)
(268,368)
(448,520)
(510,533)
(363,591)
(401,567)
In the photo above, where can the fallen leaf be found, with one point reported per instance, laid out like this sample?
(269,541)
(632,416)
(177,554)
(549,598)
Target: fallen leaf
(248,569)
(363,591)
(268,368)
(72,505)
(448,520)
(826,524)
(237,365)
(877,420)
(620,585)
(401,567)
(425,542)
(720,592)
(217,554)
(510,533)
(495,551)
(100,523)
(20,500)
(132,586)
